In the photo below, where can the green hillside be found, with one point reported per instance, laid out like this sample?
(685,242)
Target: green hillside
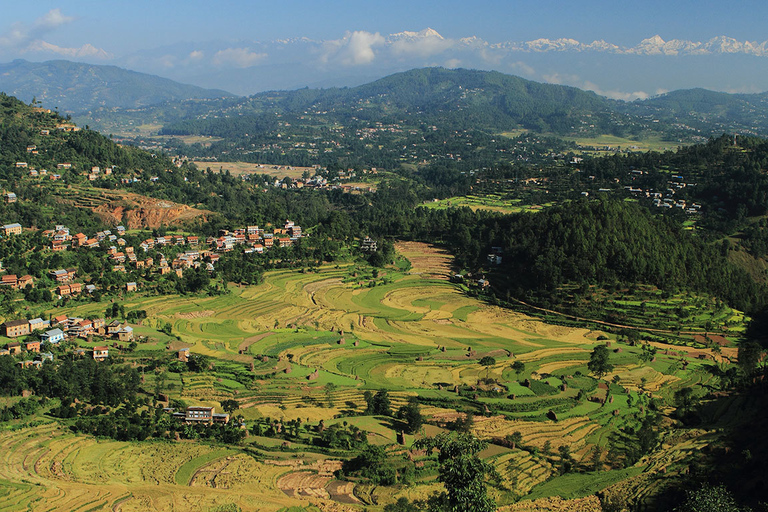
(77,87)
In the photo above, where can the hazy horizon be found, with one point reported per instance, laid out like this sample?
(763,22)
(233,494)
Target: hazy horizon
(620,50)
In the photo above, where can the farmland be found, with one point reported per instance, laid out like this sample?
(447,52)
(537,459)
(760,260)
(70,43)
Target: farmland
(307,345)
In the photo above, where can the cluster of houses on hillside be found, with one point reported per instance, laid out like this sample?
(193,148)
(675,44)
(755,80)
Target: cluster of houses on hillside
(666,198)
(67,327)
(203,253)
(64,327)
(255,238)
(660,198)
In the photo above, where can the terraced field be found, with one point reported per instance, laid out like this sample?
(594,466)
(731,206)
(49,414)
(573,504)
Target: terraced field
(315,342)
(46,468)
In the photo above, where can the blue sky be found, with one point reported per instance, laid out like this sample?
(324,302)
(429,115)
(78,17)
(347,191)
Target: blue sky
(186,40)
(124,27)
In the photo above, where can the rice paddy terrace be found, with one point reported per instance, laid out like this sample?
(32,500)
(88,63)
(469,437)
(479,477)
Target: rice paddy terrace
(316,341)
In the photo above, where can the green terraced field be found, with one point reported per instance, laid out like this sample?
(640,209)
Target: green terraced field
(414,335)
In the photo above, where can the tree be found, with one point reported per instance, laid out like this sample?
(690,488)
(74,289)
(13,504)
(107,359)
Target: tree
(379,403)
(461,471)
(230,405)
(198,363)
(403,505)
(411,415)
(709,499)
(487,361)
(749,357)
(514,439)
(647,352)
(518,367)
(686,401)
(598,361)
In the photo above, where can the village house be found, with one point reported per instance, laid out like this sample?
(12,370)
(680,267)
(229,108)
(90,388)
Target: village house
(114,327)
(38,324)
(10,197)
(183,355)
(125,334)
(63,290)
(33,346)
(10,281)
(99,325)
(79,240)
(200,414)
(83,328)
(14,348)
(12,229)
(25,280)
(62,235)
(60,276)
(15,328)
(53,336)
(131,287)
(100,353)
(368,245)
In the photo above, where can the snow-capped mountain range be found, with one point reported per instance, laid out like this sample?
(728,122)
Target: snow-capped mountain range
(623,72)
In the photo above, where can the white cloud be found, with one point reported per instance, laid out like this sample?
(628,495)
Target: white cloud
(491,56)
(616,95)
(576,81)
(21,36)
(560,79)
(238,57)
(422,45)
(196,55)
(354,49)
(522,67)
(452,63)
(360,48)
(53,19)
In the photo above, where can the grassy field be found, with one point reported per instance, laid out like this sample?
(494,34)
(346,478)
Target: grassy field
(411,332)
(610,143)
(240,168)
(489,202)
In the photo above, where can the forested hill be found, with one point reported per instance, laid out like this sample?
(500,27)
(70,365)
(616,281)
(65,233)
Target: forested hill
(708,111)
(467,99)
(494,102)
(76,87)
(461,99)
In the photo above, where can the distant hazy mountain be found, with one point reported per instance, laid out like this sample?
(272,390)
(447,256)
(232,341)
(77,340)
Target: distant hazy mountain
(461,98)
(642,70)
(76,87)
(709,111)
